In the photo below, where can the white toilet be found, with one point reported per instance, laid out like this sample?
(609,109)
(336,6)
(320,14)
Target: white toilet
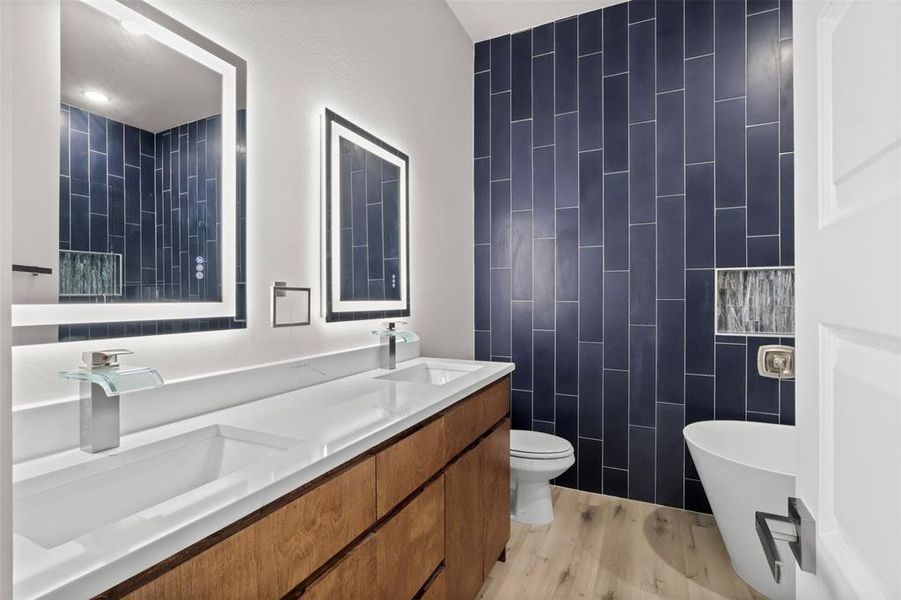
(535,459)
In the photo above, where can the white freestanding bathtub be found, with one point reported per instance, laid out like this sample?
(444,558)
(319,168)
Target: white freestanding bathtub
(746,467)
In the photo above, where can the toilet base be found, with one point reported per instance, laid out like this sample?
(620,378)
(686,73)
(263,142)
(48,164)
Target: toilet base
(531,503)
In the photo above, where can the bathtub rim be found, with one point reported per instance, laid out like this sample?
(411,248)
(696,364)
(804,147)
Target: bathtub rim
(689,430)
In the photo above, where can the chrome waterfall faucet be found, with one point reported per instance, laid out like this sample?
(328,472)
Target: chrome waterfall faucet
(101,381)
(389,334)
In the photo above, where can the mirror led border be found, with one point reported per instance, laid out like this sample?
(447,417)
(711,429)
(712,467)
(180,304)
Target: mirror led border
(339,131)
(28,315)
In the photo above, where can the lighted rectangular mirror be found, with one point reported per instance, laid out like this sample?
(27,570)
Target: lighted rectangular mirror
(146,235)
(365,229)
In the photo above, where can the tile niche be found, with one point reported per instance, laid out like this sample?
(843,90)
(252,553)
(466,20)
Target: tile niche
(755,301)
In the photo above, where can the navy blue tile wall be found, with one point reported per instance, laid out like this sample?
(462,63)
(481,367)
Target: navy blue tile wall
(154,199)
(641,146)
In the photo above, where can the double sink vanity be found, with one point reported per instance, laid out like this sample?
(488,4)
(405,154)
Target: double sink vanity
(384,484)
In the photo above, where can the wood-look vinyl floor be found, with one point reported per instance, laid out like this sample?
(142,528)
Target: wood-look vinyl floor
(612,548)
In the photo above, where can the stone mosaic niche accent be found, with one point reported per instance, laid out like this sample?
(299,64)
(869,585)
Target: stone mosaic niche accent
(755,301)
(90,273)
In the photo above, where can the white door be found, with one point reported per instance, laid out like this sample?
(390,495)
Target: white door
(848,239)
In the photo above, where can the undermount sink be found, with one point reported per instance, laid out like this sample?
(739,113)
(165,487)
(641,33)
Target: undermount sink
(431,373)
(55,508)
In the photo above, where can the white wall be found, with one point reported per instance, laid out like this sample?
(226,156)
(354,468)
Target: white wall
(5,298)
(400,69)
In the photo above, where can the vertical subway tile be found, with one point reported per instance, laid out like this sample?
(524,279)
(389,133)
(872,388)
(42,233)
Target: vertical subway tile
(521,409)
(591,390)
(756,6)
(132,146)
(730,152)
(642,375)
(730,381)
(500,312)
(616,221)
(63,140)
(590,24)
(763,179)
(521,164)
(616,39)
(97,126)
(482,345)
(481,200)
(79,120)
(522,254)
(763,251)
(641,10)
(500,224)
(481,56)
(670,143)
(80,223)
(114,140)
(729,44)
(730,238)
(670,350)
(482,115)
(699,216)
(591,105)
(566,159)
(616,322)
(543,39)
(785,19)
(642,85)
(521,75)
(670,244)
(787,402)
(591,294)
(565,42)
(787,208)
(591,198)
(79,162)
(762,392)
(670,37)
(521,350)
(763,67)
(699,319)
(590,459)
(616,123)
(567,258)
(698,28)
(543,375)
(500,64)
(482,287)
(566,419)
(642,470)
(786,97)
(567,351)
(616,482)
(642,196)
(695,498)
(500,136)
(699,398)
(643,288)
(543,190)
(616,419)
(544,283)
(699,109)
(670,448)
(543,100)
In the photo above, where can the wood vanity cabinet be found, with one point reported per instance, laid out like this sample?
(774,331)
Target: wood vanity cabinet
(423,516)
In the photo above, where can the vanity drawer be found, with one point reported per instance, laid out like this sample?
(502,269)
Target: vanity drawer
(437,588)
(410,545)
(407,464)
(475,415)
(351,577)
(274,554)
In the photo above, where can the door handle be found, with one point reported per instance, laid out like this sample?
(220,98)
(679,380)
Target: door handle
(800,534)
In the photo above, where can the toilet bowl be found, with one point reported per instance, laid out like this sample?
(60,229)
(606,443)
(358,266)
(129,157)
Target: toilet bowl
(535,459)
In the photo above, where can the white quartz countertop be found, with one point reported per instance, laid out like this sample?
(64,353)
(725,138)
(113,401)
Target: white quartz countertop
(329,423)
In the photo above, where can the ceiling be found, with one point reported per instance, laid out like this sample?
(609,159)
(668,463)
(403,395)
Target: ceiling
(150,85)
(486,19)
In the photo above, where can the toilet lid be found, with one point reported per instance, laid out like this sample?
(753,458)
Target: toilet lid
(538,445)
